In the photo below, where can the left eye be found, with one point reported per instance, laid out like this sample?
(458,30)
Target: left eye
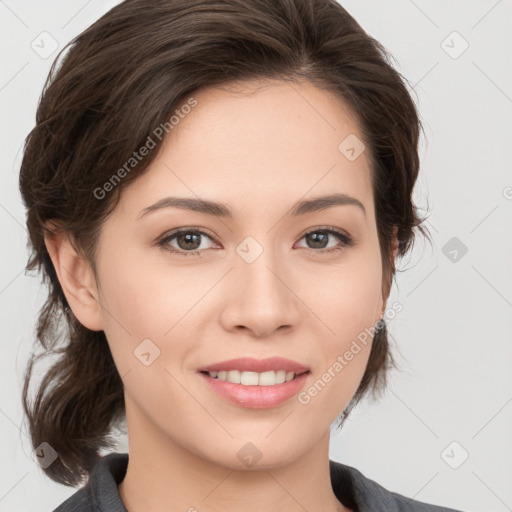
(312,236)
(189,241)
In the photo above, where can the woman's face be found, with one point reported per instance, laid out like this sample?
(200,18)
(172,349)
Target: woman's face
(265,281)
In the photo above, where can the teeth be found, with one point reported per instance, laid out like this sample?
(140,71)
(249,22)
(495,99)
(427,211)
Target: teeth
(253,378)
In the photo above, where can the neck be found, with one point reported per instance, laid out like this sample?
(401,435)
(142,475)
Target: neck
(162,475)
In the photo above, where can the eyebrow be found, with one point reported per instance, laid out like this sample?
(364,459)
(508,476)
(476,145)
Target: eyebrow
(222,210)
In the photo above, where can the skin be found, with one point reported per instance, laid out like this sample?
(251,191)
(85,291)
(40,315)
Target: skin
(258,149)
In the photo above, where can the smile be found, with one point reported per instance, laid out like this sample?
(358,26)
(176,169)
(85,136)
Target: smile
(254,395)
(245,378)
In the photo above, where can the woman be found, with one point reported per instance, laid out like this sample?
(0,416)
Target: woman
(217,192)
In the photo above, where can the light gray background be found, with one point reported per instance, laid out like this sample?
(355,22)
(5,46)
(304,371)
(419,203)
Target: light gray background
(454,396)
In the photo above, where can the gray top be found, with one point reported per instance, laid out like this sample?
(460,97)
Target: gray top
(350,486)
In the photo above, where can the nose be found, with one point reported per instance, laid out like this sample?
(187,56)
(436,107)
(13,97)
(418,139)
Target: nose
(261,298)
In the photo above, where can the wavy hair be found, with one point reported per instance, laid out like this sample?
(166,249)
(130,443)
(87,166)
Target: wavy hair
(106,92)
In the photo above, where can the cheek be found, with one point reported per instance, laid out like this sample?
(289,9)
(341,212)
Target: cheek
(132,310)
(347,297)
(347,304)
(138,294)
(145,298)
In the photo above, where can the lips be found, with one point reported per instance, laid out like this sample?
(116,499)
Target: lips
(256,397)
(249,364)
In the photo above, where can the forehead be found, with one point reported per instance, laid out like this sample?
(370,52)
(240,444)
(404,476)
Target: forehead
(259,143)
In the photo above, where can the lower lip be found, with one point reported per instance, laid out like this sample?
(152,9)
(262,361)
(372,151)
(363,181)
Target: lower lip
(256,397)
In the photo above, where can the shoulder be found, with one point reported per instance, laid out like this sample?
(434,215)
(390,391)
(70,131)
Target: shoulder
(100,494)
(362,494)
(81,501)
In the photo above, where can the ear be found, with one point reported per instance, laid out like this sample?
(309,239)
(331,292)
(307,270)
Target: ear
(387,285)
(394,245)
(76,279)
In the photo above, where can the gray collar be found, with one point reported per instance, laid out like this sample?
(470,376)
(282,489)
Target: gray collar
(349,485)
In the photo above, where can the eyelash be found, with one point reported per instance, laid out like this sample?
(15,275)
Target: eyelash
(346,241)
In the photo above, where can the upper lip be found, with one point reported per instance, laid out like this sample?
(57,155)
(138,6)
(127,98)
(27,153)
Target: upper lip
(250,364)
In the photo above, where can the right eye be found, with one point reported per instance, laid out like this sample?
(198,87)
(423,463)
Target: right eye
(188,240)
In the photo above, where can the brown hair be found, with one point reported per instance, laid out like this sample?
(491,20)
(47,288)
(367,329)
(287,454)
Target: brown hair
(107,91)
